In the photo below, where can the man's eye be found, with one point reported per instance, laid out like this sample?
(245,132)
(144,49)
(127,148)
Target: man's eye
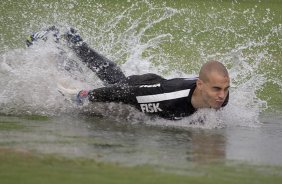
(216,88)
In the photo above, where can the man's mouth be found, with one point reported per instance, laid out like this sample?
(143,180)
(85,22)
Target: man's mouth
(219,102)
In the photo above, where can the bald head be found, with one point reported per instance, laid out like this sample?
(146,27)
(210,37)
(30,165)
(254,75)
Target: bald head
(212,67)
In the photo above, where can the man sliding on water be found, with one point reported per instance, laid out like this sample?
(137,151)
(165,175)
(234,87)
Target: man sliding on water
(150,93)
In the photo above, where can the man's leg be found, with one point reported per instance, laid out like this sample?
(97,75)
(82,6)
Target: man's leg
(145,79)
(108,71)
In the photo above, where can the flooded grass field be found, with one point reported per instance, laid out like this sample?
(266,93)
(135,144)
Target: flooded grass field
(69,150)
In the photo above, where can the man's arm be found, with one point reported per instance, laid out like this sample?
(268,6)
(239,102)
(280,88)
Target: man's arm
(116,93)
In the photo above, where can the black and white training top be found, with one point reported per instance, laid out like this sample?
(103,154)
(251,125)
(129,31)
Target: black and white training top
(170,99)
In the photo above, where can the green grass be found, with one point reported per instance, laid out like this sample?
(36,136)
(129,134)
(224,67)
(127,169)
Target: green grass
(35,117)
(14,123)
(25,167)
(7,125)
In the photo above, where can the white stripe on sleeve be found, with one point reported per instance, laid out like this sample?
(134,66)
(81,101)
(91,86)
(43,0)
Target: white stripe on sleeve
(163,96)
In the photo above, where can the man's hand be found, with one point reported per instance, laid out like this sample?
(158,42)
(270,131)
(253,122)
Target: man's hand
(81,97)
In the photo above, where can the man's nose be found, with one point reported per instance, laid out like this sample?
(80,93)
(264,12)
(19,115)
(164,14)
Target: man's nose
(221,94)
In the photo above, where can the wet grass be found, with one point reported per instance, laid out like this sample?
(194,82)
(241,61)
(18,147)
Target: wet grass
(26,167)
(6,125)
(15,122)
(35,117)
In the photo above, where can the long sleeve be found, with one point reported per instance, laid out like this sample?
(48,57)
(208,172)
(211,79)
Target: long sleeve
(115,93)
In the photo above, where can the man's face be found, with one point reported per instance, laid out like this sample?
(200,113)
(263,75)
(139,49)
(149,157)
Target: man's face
(214,90)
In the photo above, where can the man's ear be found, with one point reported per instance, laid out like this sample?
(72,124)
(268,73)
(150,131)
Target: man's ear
(199,84)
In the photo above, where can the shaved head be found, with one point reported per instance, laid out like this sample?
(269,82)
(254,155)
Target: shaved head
(212,87)
(212,67)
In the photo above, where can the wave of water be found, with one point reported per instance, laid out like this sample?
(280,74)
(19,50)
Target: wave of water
(29,77)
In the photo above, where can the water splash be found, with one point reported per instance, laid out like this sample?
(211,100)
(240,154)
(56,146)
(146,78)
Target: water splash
(29,79)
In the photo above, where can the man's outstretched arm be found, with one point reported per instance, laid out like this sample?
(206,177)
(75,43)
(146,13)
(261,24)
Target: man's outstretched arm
(116,93)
